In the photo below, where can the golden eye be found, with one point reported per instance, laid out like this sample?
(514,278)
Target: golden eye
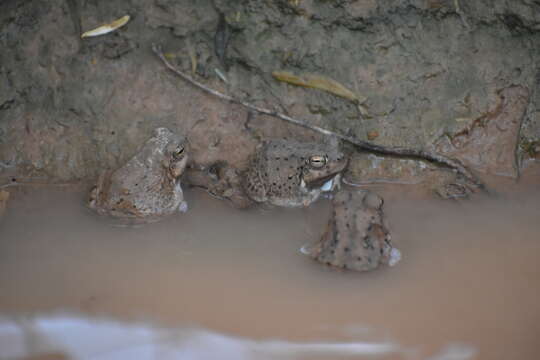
(177,153)
(317,161)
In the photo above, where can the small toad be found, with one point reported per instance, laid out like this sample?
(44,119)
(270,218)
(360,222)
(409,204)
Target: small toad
(292,174)
(356,236)
(148,185)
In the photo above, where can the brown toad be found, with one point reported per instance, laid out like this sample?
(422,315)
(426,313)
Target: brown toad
(148,185)
(291,173)
(356,236)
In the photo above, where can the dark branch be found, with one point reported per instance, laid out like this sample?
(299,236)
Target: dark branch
(394,151)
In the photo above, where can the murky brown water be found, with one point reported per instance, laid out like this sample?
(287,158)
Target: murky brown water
(469,273)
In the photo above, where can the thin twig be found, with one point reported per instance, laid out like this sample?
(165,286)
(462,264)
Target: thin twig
(33,183)
(395,151)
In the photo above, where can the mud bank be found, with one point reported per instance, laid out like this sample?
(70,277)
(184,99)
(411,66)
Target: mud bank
(458,77)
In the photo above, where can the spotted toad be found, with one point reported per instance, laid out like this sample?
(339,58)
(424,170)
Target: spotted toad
(356,236)
(292,174)
(148,185)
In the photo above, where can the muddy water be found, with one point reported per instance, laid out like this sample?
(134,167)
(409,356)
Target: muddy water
(469,273)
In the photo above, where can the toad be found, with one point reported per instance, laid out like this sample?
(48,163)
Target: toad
(292,174)
(356,236)
(282,172)
(148,185)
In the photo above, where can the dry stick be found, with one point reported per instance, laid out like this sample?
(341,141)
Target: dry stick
(33,183)
(396,151)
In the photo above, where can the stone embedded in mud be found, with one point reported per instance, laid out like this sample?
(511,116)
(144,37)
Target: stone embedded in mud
(453,191)
(356,236)
(489,143)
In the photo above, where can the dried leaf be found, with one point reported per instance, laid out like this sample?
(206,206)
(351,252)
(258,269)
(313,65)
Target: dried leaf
(170,55)
(107,28)
(319,82)
(192,56)
(290,78)
(372,135)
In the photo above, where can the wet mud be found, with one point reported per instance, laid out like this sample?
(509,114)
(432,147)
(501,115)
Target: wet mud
(457,77)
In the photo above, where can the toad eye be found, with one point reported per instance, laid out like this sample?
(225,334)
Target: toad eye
(318,161)
(178,152)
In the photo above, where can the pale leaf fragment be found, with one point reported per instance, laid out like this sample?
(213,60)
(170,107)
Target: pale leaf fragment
(321,83)
(107,28)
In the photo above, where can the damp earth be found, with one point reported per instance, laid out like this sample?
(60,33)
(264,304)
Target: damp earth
(456,78)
